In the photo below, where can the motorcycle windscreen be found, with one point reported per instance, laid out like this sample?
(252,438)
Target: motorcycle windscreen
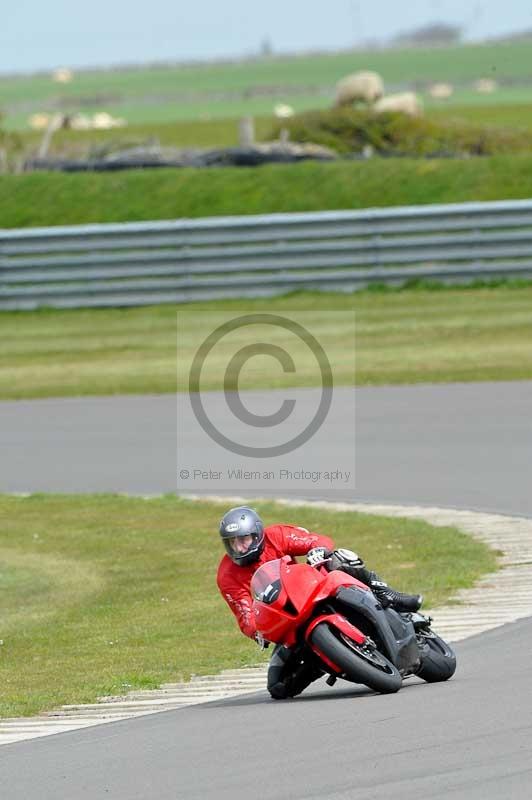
(269,599)
(266,582)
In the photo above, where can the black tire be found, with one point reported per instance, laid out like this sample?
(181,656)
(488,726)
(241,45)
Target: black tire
(385,678)
(438,661)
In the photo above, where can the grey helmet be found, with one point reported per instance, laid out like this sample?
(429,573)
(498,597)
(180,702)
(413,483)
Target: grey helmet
(239,522)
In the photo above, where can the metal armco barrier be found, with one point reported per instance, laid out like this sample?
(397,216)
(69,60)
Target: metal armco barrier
(175,262)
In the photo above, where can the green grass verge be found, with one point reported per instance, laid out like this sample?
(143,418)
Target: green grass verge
(399,337)
(100,594)
(41,199)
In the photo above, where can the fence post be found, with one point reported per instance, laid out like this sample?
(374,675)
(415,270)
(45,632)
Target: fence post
(246,132)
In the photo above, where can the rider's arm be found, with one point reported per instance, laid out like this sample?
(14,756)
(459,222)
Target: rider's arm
(239,601)
(298,541)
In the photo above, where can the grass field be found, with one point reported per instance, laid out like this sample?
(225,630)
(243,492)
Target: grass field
(205,110)
(101,594)
(517,116)
(36,199)
(411,336)
(221,90)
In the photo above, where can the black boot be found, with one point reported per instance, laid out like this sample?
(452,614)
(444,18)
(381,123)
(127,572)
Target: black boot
(289,674)
(277,672)
(305,674)
(398,600)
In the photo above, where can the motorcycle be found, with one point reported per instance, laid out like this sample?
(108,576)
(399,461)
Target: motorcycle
(338,626)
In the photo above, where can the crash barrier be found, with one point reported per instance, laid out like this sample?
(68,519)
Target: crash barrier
(175,262)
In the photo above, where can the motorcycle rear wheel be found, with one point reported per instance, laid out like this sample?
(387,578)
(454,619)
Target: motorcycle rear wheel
(376,673)
(438,661)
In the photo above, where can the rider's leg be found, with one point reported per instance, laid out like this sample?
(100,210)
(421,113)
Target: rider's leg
(288,673)
(386,595)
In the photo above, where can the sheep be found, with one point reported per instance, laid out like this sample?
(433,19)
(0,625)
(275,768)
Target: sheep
(441,91)
(62,75)
(485,86)
(39,122)
(103,121)
(362,87)
(283,111)
(407,102)
(80,122)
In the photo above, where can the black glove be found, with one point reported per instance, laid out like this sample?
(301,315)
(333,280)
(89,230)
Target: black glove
(349,558)
(347,561)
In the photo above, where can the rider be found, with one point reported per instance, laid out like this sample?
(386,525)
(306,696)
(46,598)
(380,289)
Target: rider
(249,544)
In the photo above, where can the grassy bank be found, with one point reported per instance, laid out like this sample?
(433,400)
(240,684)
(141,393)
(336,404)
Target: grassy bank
(410,336)
(350,130)
(100,594)
(66,199)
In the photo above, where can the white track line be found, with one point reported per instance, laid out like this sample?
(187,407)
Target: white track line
(497,599)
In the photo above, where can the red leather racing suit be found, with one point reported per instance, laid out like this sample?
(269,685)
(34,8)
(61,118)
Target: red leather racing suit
(234,581)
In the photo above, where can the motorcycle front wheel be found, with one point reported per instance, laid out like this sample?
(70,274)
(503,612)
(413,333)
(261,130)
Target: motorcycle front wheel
(359,663)
(438,661)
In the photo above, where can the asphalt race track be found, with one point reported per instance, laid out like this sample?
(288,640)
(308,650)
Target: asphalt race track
(459,445)
(470,738)
(464,446)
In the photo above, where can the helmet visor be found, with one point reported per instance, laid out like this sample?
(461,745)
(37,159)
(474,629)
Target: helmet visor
(240,546)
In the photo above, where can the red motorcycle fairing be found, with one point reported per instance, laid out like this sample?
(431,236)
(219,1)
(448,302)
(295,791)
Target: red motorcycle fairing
(335,580)
(285,594)
(279,624)
(300,582)
(343,625)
